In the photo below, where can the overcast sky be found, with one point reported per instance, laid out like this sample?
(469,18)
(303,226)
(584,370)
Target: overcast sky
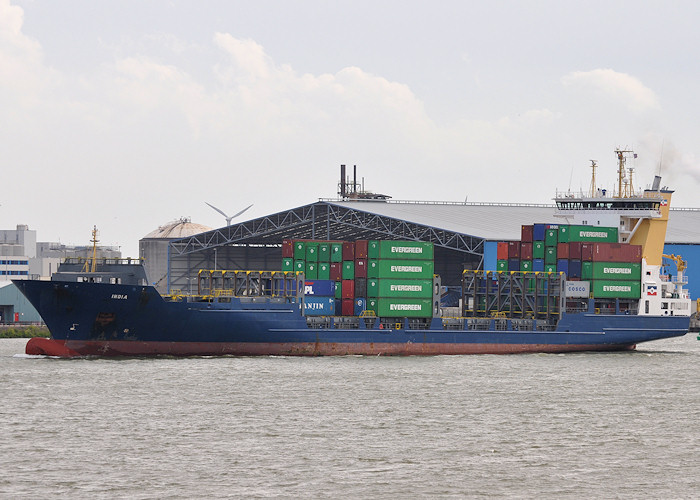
(129,114)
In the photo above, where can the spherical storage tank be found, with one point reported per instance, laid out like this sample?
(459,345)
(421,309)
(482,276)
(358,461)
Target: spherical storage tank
(153,248)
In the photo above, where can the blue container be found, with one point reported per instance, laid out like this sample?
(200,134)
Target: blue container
(360,306)
(538,265)
(319,306)
(574,269)
(513,264)
(538,232)
(319,288)
(563,266)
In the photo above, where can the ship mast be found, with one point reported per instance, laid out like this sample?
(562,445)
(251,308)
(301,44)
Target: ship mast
(630,186)
(92,261)
(621,171)
(594,165)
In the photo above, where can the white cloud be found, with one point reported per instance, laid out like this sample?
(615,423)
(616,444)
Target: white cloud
(618,86)
(21,71)
(247,55)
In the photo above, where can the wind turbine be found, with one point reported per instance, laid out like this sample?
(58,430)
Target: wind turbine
(228,219)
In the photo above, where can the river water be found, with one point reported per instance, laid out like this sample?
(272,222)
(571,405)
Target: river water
(590,425)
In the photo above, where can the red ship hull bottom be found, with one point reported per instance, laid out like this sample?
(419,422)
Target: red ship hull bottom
(62,348)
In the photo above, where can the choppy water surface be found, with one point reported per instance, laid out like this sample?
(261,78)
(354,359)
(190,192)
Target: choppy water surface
(609,425)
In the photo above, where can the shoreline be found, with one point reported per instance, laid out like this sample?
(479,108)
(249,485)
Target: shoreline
(23,331)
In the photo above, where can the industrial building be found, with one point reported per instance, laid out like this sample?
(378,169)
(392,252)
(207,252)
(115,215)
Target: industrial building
(23,257)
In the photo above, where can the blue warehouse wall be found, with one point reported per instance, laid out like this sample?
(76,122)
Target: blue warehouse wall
(690,254)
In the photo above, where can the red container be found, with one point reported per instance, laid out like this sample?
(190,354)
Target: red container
(348,250)
(336,271)
(361,247)
(526,234)
(616,252)
(287,249)
(502,250)
(633,253)
(348,307)
(562,250)
(348,289)
(526,251)
(360,268)
(587,252)
(513,250)
(575,250)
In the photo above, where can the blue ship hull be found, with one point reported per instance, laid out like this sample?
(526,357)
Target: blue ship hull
(125,320)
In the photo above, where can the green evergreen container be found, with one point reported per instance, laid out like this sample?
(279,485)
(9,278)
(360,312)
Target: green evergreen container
(538,249)
(287,264)
(371,305)
(348,270)
(501,265)
(410,250)
(550,268)
(373,268)
(324,252)
(586,270)
(372,287)
(393,288)
(551,237)
(338,289)
(617,271)
(311,271)
(299,250)
(373,249)
(336,252)
(593,233)
(526,265)
(300,266)
(311,251)
(563,233)
(404,308)
(616,289)
(404,269)
(550,255)
(324,271)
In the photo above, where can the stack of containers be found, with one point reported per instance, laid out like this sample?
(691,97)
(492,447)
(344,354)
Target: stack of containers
(317,259)
(319,298)
(551,240)
(578,236)
(526,248)
(287,255)
(538,247)
(405,268)
(348,275)
(400,278)
(361,254)
(614,269)
(589,253)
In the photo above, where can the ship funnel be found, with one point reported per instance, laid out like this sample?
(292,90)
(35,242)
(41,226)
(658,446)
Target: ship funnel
(656,185)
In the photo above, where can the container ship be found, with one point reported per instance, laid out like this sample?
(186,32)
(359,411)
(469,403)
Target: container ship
(592,282)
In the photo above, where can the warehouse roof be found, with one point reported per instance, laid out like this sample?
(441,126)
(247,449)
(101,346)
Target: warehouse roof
(458,226)
(502,221)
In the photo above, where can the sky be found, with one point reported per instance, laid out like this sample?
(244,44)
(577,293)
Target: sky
(126,114)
